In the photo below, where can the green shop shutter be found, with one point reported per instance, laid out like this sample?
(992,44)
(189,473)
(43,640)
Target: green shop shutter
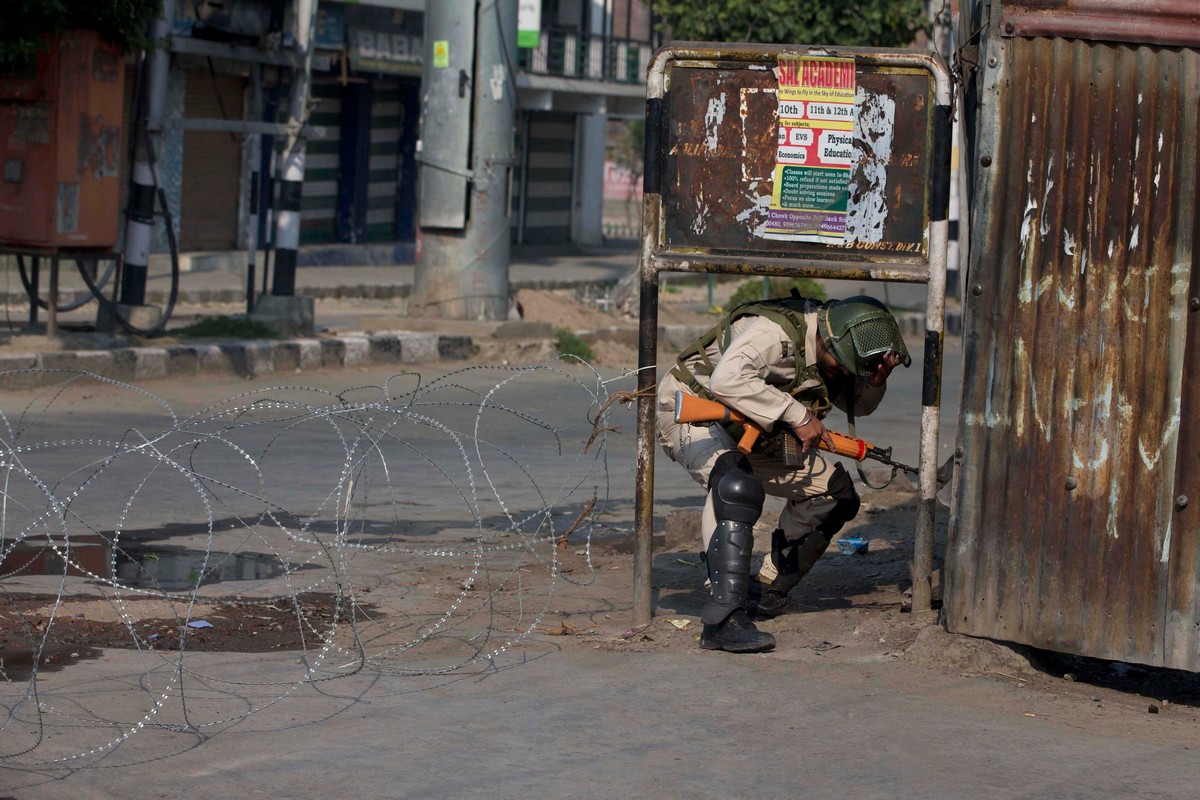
(384,169)
(318,203)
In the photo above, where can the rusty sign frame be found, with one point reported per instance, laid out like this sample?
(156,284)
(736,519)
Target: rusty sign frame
(658,255)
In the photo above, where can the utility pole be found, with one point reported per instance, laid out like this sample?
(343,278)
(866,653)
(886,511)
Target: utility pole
(466,160)
(139,218)
(282,309)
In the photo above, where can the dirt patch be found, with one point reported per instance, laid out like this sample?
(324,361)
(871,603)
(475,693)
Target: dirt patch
(560,309)
(80,627)
(612,337)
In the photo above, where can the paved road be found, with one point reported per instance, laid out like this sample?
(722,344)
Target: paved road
(539,722)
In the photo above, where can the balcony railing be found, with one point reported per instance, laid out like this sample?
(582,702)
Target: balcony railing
(571,54)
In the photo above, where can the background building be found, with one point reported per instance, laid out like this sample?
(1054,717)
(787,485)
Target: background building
(231,68)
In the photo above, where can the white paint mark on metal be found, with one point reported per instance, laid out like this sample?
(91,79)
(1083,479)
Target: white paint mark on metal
(1019,412)
(497,82)
(1110,247)
(874,132)
(1151,459)
(1133,238)
(1044,225)
(1095,463)
(1114,505)
(1030,206)
(1112,290)
(756,214)
(1025,293)
(1068,244)
(744,114)
(712,121)
(1043,286)
(700,223)
(1065,300)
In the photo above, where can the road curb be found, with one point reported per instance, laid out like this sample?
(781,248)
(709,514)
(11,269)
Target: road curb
(226,295)
(248,359)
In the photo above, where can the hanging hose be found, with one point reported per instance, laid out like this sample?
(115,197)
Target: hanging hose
(60,309)
(112,306)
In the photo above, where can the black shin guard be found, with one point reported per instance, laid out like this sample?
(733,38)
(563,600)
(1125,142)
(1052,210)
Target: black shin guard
(737,502)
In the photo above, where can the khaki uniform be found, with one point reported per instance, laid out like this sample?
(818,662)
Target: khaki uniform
(746,377)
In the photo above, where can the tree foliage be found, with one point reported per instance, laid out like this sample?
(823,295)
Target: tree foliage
(30,25)
(849,23)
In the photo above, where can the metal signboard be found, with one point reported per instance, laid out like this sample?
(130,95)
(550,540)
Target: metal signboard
(791,160)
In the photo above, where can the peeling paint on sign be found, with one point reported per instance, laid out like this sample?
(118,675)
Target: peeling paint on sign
(712,121)
(875,124)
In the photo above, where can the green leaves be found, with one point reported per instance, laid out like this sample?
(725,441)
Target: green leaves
(30,25)
(863,23)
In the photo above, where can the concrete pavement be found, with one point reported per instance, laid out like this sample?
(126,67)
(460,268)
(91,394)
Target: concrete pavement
(547,724)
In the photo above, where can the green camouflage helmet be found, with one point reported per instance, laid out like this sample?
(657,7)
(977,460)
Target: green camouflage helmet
(859,331)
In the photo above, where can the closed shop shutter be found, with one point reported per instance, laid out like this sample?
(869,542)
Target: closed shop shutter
(548,186)
(384,170)
(212,163)
(318,203)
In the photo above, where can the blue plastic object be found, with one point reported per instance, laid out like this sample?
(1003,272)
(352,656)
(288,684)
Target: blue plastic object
(853,545)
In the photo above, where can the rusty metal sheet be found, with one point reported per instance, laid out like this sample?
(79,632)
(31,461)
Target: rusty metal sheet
(1165,22)
(1182,629)
(1066,532)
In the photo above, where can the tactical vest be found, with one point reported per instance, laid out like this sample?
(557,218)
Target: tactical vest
(787,313)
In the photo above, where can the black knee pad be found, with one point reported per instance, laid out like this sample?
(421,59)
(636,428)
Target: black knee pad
(737,495)
(726,462)
(847,503)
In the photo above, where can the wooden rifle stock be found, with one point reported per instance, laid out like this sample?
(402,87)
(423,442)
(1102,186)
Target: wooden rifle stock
(692,410)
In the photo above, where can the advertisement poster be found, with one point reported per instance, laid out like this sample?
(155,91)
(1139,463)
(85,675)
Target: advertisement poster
(814,154)
(529,23)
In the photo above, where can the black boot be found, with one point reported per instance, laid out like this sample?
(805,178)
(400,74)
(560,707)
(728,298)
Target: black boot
(769,600)
(736,634)
(765,601)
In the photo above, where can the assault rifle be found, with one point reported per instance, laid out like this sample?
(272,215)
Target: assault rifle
(692,409)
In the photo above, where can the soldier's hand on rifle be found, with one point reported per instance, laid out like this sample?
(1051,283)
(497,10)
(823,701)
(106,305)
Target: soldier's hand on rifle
(811,433)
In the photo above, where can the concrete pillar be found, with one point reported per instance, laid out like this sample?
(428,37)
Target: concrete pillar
(462,269)
(588,220)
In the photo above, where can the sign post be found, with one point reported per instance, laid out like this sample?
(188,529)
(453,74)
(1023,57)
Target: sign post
(794,161)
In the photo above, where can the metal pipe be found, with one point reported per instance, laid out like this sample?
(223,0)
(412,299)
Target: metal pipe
(935,314)
(643,542)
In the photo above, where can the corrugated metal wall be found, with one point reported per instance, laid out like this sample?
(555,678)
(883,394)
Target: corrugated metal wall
(1079,448)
